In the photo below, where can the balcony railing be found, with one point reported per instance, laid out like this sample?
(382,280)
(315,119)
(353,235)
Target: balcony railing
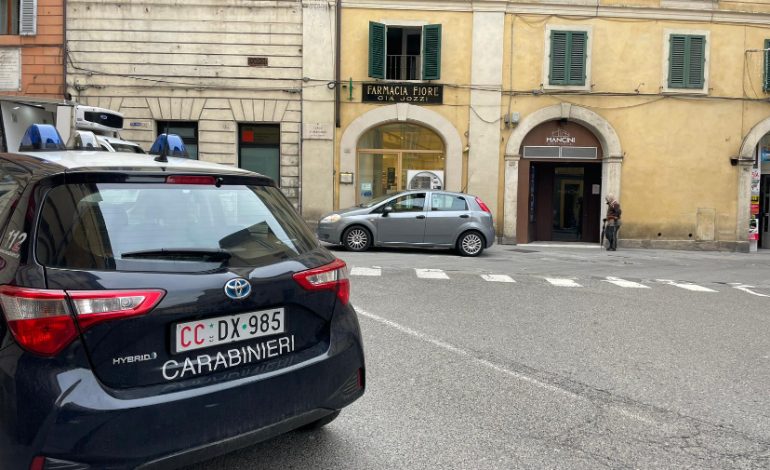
(403,67)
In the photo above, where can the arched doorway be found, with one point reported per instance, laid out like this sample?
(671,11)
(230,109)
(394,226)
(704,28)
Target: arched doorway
(604,169)
(401,113)
(397,156)
(561,173)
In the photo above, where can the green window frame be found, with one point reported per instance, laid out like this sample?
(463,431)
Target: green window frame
(766,68)
(569,50)
(686,61)
(430,54)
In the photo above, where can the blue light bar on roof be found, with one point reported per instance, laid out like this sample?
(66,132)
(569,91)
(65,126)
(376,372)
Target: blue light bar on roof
(173,145)
(41,137)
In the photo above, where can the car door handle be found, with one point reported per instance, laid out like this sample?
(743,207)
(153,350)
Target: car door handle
(420,216)
(464,216)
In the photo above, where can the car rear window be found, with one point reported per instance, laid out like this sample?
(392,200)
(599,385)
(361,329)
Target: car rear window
(167,227)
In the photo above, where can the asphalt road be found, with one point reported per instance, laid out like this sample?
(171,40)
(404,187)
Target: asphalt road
(579,358)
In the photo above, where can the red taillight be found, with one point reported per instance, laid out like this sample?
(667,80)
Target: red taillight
(185,179)
(482,205)
(332,276)
(41,320)
(38,463)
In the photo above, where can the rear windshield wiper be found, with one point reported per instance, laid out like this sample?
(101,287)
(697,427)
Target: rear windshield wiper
(181,253)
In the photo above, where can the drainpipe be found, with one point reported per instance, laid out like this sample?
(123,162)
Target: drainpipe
(338,16)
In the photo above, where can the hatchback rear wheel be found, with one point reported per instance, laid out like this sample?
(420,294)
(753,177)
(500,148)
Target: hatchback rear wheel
(357,238)
(470,243)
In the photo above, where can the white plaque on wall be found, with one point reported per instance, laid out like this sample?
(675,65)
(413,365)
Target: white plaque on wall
(10,68)
(317,131)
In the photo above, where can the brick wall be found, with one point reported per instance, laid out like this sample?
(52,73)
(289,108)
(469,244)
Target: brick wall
(42,56)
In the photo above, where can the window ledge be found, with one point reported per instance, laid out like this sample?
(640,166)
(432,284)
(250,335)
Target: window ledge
(684,91)
(10,40)
(567,87)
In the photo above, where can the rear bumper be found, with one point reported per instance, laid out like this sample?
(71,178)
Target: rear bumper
(87,424)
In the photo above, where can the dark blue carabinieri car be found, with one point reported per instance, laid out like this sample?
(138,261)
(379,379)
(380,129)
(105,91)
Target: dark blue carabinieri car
(157,312)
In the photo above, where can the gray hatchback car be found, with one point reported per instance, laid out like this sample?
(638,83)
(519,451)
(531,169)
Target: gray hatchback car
(430,219)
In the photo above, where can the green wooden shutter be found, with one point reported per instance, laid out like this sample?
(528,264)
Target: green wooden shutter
(577,58)
(686,61)
(696,61)
(558,59)
(676,61)
(376,50)
(431,52)
(766,86)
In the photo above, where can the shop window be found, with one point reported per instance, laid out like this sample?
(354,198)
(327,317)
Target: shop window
(404,52)
(568,58)
(390,154)
(18,17)
(686,61)
(259,149)
(187,130)
(766,68)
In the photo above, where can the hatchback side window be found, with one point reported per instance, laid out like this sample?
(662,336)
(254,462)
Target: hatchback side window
(9,188)
(408,203)
(447,202)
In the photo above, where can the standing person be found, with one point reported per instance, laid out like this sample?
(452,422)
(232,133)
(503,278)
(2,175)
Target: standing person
(613,221)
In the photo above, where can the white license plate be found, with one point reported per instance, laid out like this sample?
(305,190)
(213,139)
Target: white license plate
(208,332)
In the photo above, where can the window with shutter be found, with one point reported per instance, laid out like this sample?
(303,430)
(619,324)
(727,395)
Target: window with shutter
(404,52)
(28,18)
(376,50)
(568,58)
(686,61)
(766,81)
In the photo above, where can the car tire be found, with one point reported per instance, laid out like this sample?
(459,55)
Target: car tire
(357,238)
(470,243)
(318,424)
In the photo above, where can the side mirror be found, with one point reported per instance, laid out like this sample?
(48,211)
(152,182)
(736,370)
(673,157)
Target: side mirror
(387,210)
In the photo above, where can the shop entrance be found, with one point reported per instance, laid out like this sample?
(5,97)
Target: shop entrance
(398,156)
(559,185)
(565,201)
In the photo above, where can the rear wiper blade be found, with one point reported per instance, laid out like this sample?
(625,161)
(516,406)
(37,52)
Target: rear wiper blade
(181,253)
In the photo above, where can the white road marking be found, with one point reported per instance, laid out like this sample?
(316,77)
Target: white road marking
(431,273)
(562,282)
(465,353)
(623,283)
(497,278)
(360,271)
(686,285)
(747,289)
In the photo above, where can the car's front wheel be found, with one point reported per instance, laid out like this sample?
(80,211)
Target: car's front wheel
(357,238)
(470,243)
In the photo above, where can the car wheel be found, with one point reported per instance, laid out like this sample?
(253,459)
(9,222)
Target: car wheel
(357,239)
(318,424)
(470,244)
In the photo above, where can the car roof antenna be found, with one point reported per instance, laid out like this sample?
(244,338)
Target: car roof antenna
(163,157)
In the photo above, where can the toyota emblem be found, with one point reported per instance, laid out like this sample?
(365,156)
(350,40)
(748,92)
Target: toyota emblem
(238,288)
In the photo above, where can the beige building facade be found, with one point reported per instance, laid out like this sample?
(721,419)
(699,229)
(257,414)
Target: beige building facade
(543,109)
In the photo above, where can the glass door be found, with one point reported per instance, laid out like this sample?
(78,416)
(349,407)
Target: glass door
(378,175)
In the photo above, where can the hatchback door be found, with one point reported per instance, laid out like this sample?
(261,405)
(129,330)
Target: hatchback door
(405,223)
(189,279)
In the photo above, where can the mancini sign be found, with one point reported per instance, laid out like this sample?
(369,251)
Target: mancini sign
(403,93)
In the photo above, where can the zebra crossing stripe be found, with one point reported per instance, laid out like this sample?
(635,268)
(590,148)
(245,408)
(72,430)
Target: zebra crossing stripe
(627,284)
(431,273)
(497,278)
(686,285)
(359,271)
(562,282)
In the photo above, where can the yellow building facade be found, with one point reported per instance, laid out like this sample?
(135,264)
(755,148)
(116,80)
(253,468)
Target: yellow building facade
(543,109)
